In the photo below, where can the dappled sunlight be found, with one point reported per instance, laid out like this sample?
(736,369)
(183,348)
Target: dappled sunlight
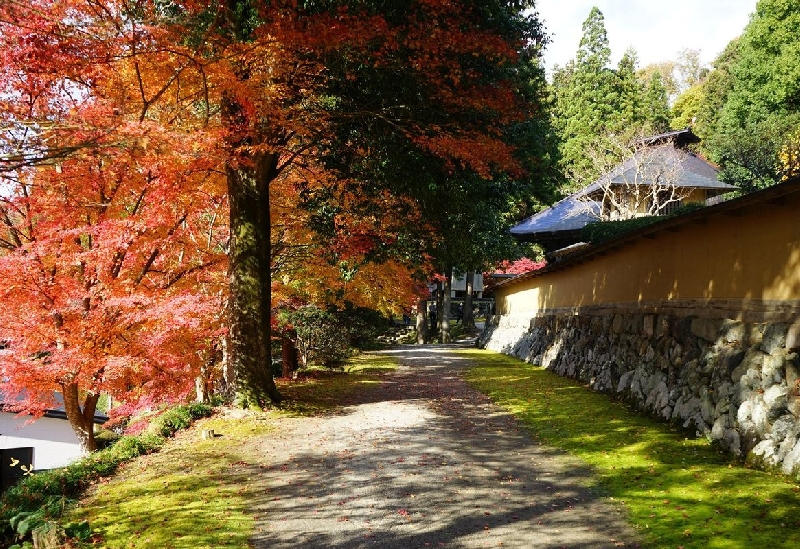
(189,495)
(786,283)
(382,415)
(423,461)
(678,491)
(420,352)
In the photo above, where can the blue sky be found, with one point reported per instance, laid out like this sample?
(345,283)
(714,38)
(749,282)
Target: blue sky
(657,30)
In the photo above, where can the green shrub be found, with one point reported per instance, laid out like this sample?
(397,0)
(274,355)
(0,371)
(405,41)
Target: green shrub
(604,231)
(363,326)
(105,438)
(129,447)
(40,498)
(328,336)
(321,337)
(177,418)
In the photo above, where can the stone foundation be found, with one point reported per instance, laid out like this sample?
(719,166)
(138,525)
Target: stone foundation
(735,382)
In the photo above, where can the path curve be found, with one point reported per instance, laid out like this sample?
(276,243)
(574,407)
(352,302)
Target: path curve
(423,461)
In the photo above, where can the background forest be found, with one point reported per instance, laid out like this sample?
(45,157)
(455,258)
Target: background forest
(186,183)
(744,107)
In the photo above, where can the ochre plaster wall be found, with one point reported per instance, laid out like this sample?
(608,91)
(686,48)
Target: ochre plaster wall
(750,255)
(695,196)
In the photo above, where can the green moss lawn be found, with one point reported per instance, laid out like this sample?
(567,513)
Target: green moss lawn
(194,492)
(679,492)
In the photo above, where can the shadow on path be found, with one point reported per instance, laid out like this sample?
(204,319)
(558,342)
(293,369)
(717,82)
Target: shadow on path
(423,461)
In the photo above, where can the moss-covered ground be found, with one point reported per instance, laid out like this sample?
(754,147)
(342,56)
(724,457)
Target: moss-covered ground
(678,491)
(193,494)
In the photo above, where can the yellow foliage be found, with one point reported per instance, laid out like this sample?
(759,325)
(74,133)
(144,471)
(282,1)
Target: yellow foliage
(789,155)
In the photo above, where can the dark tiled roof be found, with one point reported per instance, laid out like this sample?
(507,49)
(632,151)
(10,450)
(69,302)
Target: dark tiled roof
(579,209)
(566,215)
(691,172)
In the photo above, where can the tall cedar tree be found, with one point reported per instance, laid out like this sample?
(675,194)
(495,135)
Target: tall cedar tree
(254,91)
(593,102)
(585,97)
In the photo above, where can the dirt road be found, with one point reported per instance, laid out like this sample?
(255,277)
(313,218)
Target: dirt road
(424,461)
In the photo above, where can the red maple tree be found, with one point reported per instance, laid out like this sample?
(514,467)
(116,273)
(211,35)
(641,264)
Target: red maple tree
(171,103)
(113,262)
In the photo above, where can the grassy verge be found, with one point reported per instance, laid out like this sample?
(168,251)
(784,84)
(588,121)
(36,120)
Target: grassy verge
(194,492)
(320,390)
(679,492)
(34,506)
(187,495)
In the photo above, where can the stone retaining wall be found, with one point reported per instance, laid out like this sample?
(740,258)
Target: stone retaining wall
(735,382)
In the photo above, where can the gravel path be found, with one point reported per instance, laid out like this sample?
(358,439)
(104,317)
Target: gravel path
(424,461)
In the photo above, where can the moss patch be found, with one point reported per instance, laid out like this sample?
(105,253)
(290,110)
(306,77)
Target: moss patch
(317,391)
(679,492)
(190,494)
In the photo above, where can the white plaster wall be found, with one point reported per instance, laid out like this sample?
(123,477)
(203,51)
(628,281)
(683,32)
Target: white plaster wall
(459,284)
(54,442)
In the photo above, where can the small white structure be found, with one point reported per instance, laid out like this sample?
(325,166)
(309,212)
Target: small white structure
(459,284)
(52,438)
(53,441)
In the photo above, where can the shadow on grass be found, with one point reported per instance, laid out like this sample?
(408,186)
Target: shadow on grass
(422,460)
(324,391)
(191,494)
(678,490)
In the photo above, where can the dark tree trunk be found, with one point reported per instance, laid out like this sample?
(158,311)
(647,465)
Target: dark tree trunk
(204,383)
(467,318)
(250,281)
(288,356)
(249,175)
(81,419)
(436,322)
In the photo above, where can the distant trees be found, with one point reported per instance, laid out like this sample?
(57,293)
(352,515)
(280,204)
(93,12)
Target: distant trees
(584,97)
(592,100)
(469,214)
(747,108)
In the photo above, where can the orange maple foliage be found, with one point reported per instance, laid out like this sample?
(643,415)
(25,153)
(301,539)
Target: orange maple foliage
(113,261)
(138,114)
(340,270)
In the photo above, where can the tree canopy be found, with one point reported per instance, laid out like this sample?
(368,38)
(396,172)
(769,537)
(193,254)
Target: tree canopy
(749,104)
(149,148)
(592,100)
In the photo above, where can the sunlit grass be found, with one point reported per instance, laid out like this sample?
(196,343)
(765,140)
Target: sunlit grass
(366,363)
(679,492)
(194,493)
(317,391)
(188,495)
